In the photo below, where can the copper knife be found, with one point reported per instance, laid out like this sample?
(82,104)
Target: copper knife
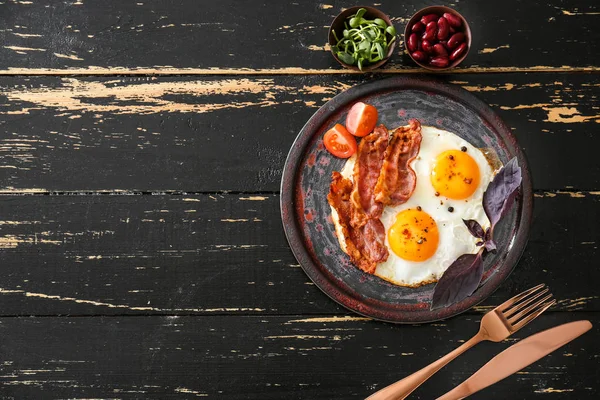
(517,357)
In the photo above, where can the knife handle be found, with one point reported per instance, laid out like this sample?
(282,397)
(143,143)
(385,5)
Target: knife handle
(401,389)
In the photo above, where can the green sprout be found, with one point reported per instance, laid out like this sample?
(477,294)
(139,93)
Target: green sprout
(364,41)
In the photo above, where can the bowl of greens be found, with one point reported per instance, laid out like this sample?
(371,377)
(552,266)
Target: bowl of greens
(362,38)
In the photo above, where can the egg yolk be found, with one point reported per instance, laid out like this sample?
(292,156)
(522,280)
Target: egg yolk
(414,235)
(455,174)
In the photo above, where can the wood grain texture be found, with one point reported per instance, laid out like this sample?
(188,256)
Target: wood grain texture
(158,35)
(141,149)
(227,254)
(186,134)
(290,357)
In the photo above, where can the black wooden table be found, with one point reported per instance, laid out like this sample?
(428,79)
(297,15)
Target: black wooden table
(141,150)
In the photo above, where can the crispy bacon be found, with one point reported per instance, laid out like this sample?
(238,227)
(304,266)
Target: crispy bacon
(370,241)
(397,180)
(365,244)
(382,176)
(369,160)
(339,199)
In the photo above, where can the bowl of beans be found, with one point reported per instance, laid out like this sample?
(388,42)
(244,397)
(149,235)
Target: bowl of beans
(437,38)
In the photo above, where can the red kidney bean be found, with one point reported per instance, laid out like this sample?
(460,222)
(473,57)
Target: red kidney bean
(440,62)
(430,31)
(456,39)
(432,26)
(453,20)
(426,46)
(451,29)
(412,42)
(458,51)
(419,56)
(428,35)
(443,29)
(440,50)
(418,27)
(425,19)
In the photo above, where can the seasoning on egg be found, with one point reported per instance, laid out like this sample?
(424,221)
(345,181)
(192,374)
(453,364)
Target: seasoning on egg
(419,208)
(451,209)
(463,149)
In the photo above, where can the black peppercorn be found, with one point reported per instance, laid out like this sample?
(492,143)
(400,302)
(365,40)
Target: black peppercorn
(451,209)
(419,208)
(463,149)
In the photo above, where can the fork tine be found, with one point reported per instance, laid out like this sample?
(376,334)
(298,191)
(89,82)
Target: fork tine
(525,311)
(524,303)
(502,307)
(533,316)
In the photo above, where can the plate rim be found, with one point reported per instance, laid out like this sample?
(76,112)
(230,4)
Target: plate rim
(295,236)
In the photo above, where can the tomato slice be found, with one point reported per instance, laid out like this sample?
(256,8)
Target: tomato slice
(361,119)
(339,142)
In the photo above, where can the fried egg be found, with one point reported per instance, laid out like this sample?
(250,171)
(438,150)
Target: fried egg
(427,233)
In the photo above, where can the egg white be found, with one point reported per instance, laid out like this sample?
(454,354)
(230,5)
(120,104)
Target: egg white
(454,237)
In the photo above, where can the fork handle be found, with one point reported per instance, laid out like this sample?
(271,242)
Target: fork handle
(401,389)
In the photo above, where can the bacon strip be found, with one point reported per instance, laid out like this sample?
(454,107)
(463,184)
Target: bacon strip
(370,241)
(369,160)
(365,244)
(397,180)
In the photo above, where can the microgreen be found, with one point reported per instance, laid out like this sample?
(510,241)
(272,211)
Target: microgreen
(364,41)
(463,276)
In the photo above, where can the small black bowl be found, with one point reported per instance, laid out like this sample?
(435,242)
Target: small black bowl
(439,10)
(338,26)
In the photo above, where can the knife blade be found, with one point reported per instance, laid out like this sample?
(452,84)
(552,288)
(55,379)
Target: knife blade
(517,357)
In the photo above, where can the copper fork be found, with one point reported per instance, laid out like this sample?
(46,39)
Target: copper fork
(496,326)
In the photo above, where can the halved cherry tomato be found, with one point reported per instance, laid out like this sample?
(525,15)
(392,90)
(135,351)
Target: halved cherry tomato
(339,142)
(361,119)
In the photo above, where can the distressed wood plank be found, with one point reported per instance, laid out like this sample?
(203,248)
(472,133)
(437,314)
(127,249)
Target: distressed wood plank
(221,134)
(198,295)
(270,34)
(269,358)
(227,254)
(386,70)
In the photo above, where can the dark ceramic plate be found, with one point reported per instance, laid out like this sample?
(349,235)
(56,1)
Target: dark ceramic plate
(307,174)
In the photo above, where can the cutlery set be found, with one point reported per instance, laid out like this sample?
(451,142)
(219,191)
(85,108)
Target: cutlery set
(497,325)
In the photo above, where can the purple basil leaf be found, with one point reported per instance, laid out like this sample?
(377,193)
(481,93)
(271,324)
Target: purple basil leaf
(459,281)
(474,227)
(490,245)
(499,195)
